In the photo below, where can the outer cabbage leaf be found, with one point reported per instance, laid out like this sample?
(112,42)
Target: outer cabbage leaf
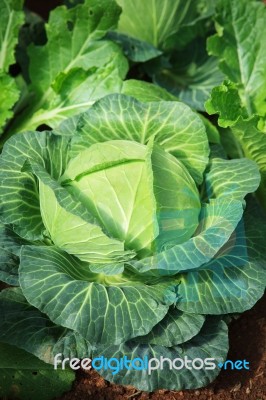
(45,149)
(252,138)
(242,57)
(72,296)
(134,49)
(162,25)
(225,101)
(9,94)
(235,279)
(25,377)
(10,245)
(248,133)
(146,91)
(174,126)
(176,328)
(77,66)
(218,221)
(239,45)
(78,30)
(232,178)
(75,91)
(11,19)
(140,90)
(27,328)
(211,342)
(191,75)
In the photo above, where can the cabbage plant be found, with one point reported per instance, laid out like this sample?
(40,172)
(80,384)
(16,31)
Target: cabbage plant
(124,236)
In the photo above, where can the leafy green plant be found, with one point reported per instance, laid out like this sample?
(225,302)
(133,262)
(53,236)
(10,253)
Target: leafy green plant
(11,18)
(241,100)
(168,43)
(77,65)
(124,240)
(25,377)
(129,227)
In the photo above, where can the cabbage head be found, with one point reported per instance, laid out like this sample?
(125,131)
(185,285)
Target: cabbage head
(124,235)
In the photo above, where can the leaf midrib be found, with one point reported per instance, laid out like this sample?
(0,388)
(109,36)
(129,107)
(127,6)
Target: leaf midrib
(101,167)
(5,41)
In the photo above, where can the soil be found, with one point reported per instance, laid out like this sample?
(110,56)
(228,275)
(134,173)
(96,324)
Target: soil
(247,337)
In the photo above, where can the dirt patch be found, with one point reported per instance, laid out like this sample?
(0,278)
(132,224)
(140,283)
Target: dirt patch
(247,341)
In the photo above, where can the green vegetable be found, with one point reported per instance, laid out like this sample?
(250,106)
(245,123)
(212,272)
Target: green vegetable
(125,230)
(78,66)
(241,101)
(11,18)
(120,234)
(25,377)
(169,41)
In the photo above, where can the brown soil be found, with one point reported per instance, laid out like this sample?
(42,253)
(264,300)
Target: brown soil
(247,341)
